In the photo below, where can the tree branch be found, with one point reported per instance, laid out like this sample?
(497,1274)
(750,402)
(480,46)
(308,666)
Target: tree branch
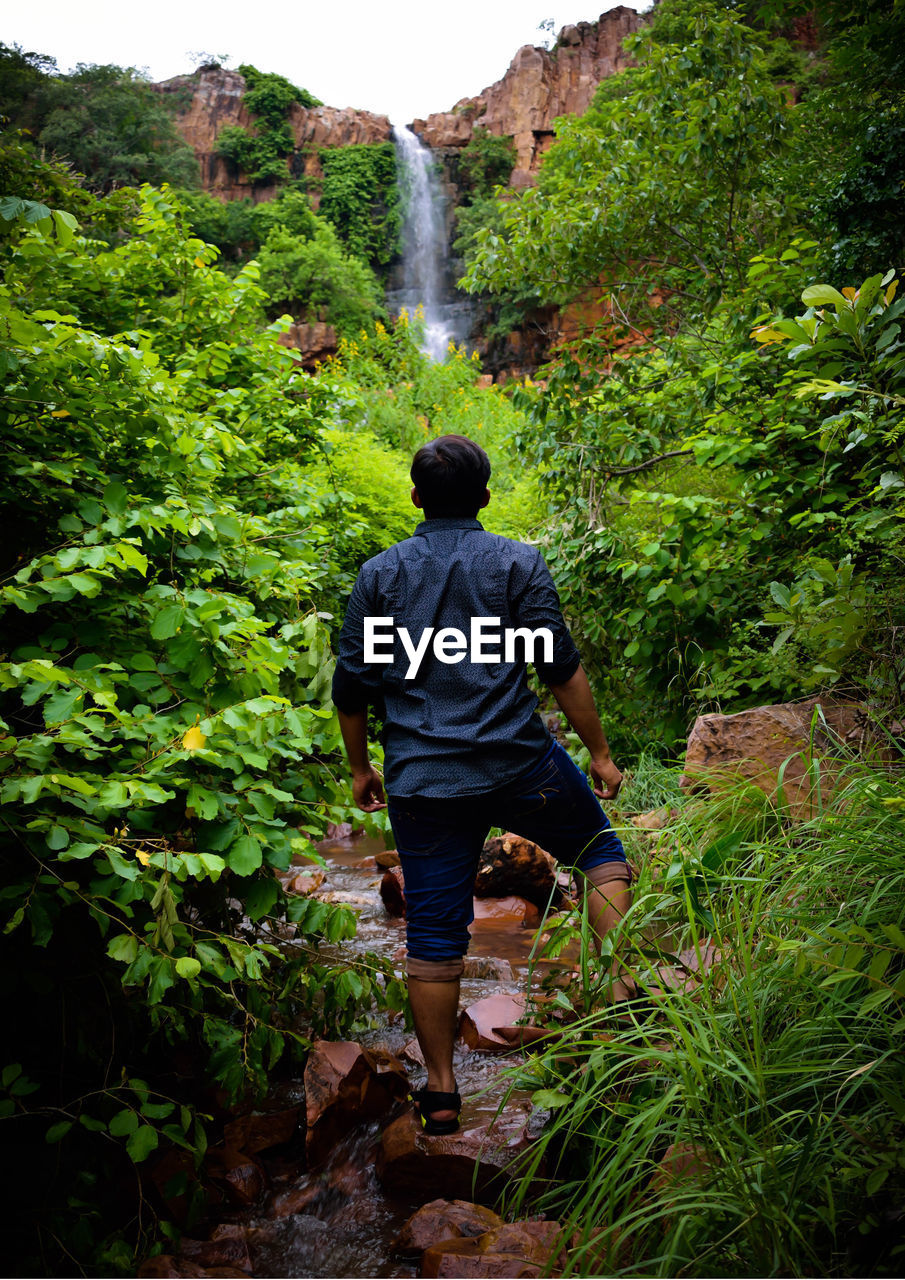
(651,462)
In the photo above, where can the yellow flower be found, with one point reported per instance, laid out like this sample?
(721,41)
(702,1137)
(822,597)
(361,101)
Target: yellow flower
(193,739)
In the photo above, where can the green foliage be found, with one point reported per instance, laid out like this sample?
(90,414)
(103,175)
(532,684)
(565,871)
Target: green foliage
(360,198)
(270,96)
(766,1060)
(169,570)
(106,121)
(485,162)
(316,280)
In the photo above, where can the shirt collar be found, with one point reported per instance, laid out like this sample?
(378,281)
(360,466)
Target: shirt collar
(439,523)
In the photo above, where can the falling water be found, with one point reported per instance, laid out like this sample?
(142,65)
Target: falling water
(425,258)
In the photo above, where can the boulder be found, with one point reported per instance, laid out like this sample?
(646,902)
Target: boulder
(392,892)
(474,1164)
(763,743)
(443,1220)
(479,1022)
(261,1130)
(345,1086)
(512,911)
(487,969)
(512,865)
(240,1175)
(513,1249)
(386,859)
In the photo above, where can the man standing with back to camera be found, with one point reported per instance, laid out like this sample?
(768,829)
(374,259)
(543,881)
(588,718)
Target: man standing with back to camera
(464,747)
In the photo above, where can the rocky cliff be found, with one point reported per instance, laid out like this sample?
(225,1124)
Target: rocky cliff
(539,86)
(215,100)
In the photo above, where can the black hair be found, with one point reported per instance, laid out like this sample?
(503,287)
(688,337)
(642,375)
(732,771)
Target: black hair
(450,475)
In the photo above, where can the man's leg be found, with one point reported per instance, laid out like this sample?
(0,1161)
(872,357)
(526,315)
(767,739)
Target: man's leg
(554,805)
(439,856)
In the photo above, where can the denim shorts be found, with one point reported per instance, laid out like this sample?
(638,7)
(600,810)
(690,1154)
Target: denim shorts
(439,843)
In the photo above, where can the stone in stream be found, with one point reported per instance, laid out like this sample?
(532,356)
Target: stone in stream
(443,1220)
(473,1164)
(345,1086)
(166,1267)
(479,1022)
(487,969)
(226,1251)
(387,858)
(512,866)
(513,1249)
(260,1130)
(240,1175)
(515,912)
(392,892)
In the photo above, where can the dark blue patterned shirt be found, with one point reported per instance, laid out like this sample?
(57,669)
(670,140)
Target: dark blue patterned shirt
(457,727)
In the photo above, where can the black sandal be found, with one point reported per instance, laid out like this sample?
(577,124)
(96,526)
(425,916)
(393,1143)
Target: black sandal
(427,1101)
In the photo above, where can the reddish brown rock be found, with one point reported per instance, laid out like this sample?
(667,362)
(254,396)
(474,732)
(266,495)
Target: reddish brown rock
(479,1022)
(517,912)
(215,99)
(512,865)
(228,1251)
(512,1250)
(392,891)
(285,1204)
(345,1086)
(261,1130)
(539,86)
(760,744)
(386,859)
(443,1220)
(473,1164)
(240,1175)
(315,341)
(487,968)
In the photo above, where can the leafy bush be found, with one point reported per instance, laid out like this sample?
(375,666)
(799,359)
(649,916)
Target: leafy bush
(360,198)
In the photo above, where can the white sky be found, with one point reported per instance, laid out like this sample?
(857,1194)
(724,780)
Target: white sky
(401,58)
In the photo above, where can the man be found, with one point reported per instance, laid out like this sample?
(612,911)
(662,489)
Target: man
(436,634)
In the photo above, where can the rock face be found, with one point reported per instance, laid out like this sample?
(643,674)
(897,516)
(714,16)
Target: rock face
(761,743)
(215,100)
(539,86)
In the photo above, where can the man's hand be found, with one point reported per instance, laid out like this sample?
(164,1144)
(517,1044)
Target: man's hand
(607,777)
(367,790)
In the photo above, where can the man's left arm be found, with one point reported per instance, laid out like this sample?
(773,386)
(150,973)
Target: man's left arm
(353,690)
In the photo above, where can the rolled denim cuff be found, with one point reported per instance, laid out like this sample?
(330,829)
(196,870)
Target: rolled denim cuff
(604,872)
(434,970)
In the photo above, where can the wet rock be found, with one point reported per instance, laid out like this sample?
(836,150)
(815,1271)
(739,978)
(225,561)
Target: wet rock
(174,1175)
(412,1053)
(392,891)
(259,1131)
(285,1204)
(346,1085)
(443,1220)
(386,859)
(343,831)
(167,1267)
(240,1175)
(302,882)
(511,865)
(228,1251)
(513,1249)
(513,911)
(757,744)
(487,968)
(479,1022)
(473,1164)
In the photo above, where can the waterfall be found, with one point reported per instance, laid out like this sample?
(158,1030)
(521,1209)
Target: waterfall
(425,257)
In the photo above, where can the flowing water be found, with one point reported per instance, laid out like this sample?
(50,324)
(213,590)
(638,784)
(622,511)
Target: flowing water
(343,1223)
(426,269)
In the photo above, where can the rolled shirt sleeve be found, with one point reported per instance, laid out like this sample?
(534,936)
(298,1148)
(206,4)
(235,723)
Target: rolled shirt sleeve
(538,606)
(355,682)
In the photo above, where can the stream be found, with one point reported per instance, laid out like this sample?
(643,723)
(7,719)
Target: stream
(338,1221)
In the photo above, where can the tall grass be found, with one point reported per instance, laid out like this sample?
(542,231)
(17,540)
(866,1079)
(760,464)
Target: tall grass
(778,1076)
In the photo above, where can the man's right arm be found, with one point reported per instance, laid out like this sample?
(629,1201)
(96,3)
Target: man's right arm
(353,689)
